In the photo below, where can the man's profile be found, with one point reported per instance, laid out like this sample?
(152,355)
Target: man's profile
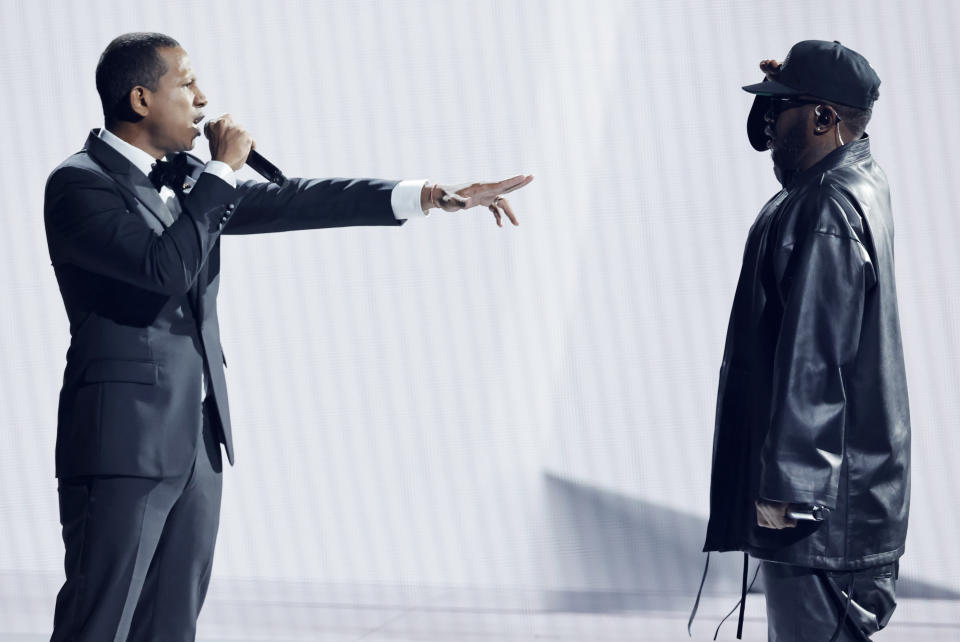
(135,244)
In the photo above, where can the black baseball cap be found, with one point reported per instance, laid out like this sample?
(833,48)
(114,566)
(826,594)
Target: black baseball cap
(818,69)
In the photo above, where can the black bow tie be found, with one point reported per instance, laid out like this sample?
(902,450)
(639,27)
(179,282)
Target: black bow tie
(170,173)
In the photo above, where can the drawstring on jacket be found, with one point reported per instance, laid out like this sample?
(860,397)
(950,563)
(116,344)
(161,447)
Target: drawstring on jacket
(743,598)
(696,602)
(744,589)
(846,609)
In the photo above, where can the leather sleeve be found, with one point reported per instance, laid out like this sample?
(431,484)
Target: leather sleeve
(88,225)
(823,300)
(307,204)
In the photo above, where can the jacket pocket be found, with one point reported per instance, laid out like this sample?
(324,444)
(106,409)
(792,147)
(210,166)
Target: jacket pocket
(145,372)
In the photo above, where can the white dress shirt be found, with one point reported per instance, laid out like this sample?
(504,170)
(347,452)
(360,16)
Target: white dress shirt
(404,198)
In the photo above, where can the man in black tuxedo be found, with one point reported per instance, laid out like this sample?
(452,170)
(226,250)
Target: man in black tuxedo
(135,244)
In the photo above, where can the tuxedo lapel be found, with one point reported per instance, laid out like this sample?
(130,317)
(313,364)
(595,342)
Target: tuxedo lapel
(132,180)
(199,287)
(128,177)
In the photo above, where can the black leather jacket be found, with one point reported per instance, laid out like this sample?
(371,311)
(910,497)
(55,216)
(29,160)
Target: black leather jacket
(812,406)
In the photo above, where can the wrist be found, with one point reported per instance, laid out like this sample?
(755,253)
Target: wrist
(222,170)
(425,197)
(430,196)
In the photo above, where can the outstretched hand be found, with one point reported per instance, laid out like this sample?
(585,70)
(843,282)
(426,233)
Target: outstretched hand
(489,195)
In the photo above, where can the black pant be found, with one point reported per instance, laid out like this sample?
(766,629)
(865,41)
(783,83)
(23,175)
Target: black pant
(807,604)
(139,552)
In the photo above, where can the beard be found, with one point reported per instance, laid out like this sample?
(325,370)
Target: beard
(787,152)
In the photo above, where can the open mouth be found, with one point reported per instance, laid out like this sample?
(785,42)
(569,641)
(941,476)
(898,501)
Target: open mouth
(196,125)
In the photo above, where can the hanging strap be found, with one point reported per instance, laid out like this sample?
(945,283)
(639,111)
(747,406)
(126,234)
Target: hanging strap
(742,599)
(846,609)
(696,603)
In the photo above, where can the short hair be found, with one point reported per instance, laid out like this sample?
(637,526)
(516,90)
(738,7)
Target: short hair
(855,118)
(129,60)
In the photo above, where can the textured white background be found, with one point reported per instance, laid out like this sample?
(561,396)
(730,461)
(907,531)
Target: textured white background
(398,394)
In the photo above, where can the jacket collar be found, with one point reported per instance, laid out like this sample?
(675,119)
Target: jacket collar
(128,176)
(855,152)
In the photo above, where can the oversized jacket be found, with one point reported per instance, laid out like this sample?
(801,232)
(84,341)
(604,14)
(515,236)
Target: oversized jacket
(140,291)
(812,404)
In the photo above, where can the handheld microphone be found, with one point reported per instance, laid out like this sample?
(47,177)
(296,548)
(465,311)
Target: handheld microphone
(265,168)
(807,514)
(258,163)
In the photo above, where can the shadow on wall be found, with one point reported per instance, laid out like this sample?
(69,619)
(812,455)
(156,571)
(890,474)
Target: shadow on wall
(611,552)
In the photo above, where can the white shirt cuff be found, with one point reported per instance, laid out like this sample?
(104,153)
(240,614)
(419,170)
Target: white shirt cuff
(405,200)
(222,170)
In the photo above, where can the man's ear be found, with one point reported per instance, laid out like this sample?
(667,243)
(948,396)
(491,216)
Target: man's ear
(826,119)
(139,101)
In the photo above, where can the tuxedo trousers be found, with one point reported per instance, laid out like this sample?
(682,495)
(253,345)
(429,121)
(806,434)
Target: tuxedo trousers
(807,604)
(139,551)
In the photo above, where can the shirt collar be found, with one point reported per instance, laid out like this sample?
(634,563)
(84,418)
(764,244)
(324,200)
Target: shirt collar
(137,157)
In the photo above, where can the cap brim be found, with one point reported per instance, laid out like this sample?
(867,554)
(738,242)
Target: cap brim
(756,123)
(771,88)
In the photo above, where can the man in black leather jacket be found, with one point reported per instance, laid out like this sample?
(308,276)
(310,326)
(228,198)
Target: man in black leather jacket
(812,411)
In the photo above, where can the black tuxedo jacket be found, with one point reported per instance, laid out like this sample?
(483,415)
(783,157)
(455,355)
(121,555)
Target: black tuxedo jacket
(140,290)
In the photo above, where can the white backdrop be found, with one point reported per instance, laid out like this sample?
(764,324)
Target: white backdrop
(407,402)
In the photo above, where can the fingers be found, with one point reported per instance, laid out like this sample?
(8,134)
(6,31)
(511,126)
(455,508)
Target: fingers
(770,68)
(762,519)
(767,519)
(486,193)
(773,515)
(218,125)
(229,142)
(508,210)
(507,186)
(489,195)
(499,207)
(496,214)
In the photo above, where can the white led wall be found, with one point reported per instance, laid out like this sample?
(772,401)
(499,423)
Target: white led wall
(453,405)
